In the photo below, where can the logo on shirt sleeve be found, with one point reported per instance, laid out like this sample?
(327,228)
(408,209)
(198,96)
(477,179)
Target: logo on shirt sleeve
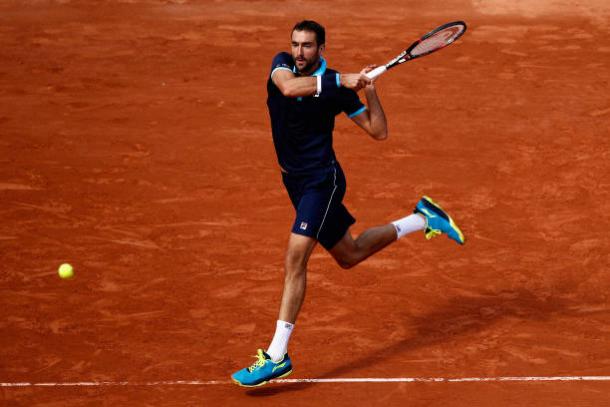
(303,226)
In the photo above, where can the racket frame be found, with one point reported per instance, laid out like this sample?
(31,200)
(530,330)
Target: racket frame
(406,55)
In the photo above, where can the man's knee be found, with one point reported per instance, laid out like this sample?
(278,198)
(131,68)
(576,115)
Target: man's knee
(346,252)
(298,251)
(296,260)
(345,260)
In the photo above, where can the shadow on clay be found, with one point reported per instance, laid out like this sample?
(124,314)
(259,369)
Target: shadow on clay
(460,316)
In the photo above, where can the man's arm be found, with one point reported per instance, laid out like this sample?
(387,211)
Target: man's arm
(373,120)
(292,86)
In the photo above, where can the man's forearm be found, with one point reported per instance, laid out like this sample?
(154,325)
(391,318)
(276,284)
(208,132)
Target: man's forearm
(379,125)
(300,86)
(311,85)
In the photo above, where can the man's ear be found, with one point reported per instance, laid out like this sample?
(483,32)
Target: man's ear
(322,47)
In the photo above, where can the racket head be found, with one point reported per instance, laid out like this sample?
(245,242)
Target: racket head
(437,39)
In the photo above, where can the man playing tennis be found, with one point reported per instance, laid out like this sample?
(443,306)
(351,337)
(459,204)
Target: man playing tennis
(304,96)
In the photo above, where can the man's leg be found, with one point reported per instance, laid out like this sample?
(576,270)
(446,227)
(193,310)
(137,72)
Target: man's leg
(428,216)
(295,279)
(295,282)
(275,362)
(349,251)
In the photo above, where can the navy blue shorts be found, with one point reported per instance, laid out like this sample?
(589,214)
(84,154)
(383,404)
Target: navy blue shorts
(317,198)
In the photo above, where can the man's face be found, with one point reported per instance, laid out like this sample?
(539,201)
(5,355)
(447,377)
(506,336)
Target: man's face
(305,51)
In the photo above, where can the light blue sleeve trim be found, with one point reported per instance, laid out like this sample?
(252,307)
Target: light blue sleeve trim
(357,112)
(338,80)
(282,68)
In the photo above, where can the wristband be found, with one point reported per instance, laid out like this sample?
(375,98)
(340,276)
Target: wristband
(318,86)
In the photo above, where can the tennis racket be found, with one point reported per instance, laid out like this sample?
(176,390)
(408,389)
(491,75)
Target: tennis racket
(433,41)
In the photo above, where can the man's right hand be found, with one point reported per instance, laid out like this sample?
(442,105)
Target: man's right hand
(355,81)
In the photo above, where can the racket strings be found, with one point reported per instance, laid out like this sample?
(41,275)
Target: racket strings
(438,40)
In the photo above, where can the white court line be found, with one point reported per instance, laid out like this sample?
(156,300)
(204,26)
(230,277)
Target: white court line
(330,380)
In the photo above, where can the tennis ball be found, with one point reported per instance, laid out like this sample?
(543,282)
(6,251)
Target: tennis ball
(65,271)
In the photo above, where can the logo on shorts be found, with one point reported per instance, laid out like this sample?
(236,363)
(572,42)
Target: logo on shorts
(303,226)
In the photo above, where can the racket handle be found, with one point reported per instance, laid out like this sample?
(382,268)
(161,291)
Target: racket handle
(376,72)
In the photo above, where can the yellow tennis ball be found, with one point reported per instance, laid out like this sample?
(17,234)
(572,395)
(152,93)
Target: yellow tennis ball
(66,271)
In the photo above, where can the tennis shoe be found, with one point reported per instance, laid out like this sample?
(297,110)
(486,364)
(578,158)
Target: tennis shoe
(263,370)
(438,221)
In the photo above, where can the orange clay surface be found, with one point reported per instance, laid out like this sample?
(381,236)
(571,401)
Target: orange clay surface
(135,144)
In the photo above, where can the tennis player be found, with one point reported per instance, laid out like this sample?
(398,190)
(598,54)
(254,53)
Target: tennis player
(304,96)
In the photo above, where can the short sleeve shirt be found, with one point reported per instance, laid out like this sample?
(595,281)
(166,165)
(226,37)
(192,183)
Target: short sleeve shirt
(302,127)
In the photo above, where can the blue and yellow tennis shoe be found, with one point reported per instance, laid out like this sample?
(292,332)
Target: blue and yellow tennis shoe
(438,221)
(263,370)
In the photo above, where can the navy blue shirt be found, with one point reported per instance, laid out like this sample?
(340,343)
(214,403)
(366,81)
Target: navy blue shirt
(302,127)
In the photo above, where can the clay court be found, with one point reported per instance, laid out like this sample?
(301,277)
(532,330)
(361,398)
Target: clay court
(135,144)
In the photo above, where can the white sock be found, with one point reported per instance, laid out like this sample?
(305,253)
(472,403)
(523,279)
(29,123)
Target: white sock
(409,224)
(279,344)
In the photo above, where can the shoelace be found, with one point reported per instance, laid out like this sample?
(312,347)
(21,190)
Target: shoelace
(430,233)
(260,361)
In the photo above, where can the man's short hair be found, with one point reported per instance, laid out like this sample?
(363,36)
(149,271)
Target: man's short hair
(309,25)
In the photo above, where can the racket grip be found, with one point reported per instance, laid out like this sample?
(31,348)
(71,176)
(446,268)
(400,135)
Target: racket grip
(376,72)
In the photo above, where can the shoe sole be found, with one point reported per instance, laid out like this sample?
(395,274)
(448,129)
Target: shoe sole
(261,383)
(451,222)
